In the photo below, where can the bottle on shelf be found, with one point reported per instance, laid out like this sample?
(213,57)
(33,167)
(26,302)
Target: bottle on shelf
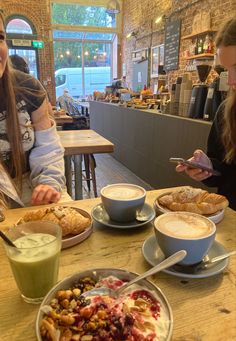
(200,46)
(206,44)
(196,47)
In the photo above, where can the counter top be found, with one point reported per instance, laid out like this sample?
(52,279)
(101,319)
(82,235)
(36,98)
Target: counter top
(203,309)
(155,111)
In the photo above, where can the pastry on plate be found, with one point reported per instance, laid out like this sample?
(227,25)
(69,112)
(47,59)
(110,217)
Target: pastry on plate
(193,200)
(71,221)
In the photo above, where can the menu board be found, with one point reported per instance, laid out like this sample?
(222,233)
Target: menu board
(172,42)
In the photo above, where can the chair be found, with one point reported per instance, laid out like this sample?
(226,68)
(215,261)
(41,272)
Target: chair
(81,122)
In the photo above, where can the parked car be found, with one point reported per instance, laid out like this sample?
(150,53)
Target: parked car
(95,78)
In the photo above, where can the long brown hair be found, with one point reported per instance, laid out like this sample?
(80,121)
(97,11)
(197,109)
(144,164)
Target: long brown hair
(9,89)
(227,37)
(8,97)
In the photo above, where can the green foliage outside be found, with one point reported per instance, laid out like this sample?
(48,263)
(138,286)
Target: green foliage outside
(69,53)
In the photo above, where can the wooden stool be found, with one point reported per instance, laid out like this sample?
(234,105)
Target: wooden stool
(90,165)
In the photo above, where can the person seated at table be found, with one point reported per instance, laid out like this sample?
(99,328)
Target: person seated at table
(221,147)
(19,63)
(31,155)
(64,100)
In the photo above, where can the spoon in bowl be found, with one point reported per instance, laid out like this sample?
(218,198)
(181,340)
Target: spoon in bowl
(166,263)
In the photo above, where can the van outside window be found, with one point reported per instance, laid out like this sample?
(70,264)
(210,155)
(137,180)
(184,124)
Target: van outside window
(60,80)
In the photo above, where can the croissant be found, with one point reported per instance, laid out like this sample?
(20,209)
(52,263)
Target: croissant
(194,200)
(70,220)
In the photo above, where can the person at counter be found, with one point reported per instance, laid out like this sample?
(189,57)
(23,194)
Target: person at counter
(31,155)
(221,146)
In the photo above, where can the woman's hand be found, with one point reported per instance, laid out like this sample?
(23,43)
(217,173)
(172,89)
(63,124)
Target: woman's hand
(196,173)
(45,194)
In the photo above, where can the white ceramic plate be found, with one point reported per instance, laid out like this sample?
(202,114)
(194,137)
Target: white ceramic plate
(98,274)
(100,215)
(72,240)
(153,255)
(216,217)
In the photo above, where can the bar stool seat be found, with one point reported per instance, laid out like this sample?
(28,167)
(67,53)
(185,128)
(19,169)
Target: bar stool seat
(88,173)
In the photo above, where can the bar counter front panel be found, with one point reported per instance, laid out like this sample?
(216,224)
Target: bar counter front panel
(145,140)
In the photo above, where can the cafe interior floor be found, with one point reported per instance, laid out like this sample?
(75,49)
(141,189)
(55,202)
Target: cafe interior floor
(109,171)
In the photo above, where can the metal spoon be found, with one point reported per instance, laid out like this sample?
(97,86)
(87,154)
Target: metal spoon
(104,291)
(142,216)
(206,263)
(218,258)
(145,214)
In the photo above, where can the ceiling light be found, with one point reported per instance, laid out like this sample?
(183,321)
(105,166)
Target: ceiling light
(132,34)
(160,18)
(113,7)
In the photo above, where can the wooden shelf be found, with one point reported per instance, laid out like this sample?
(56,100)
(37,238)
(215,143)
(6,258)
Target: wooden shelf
(201,56)
(194,35)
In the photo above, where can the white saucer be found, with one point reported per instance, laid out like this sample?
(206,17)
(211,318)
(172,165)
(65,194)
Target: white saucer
(153,255)
(100,215)
(216,217)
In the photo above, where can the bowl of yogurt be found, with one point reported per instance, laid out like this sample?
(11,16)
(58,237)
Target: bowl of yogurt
(141,312)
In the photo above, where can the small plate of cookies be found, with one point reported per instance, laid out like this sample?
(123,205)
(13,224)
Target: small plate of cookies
(193,200)
(76,224)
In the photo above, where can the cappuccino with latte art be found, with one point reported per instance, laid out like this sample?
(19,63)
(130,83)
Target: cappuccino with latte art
(123,201)
(185,231)
(185,226)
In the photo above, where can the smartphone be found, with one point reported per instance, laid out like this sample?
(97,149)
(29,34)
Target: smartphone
(191,164)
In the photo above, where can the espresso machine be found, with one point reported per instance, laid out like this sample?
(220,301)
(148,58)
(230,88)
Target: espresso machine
(199,91)
(117,84)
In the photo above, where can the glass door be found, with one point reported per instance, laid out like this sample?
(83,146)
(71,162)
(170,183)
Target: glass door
(30,58)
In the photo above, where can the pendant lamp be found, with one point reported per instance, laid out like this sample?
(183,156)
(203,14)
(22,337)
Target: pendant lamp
(113,7)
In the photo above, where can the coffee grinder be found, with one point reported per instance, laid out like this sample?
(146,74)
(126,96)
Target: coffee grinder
(199,91)
(214,95)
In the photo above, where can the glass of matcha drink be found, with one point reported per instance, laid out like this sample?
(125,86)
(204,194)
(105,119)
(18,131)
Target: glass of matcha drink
(35,259)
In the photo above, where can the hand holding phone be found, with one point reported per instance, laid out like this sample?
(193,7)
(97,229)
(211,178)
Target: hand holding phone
(191,164)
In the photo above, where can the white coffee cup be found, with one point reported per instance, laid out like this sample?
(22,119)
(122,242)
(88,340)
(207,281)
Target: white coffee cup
(122,201)
(185,231)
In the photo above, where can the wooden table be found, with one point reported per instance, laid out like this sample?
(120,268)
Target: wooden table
(203,309)
(61,119)
(77,143)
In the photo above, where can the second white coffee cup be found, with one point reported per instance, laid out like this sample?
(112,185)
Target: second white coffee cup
(122,201)
(185,231)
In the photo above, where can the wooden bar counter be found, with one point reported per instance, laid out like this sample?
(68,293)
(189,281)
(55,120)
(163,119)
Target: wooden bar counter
(203,309)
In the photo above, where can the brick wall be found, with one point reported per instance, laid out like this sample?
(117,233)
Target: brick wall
(141,15)
(38,13)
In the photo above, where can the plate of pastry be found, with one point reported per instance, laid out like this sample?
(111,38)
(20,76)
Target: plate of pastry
(76,224)
(194,200)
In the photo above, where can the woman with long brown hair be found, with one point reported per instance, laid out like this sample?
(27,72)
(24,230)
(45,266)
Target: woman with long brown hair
(31,156)
(221,147)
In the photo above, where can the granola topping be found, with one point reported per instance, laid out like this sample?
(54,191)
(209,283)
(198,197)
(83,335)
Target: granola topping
(137,315)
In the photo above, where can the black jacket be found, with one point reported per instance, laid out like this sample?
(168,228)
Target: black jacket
(226,183)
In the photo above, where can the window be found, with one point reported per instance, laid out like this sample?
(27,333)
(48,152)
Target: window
(60,80)
(18,26)
(84,40)
(73,14)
